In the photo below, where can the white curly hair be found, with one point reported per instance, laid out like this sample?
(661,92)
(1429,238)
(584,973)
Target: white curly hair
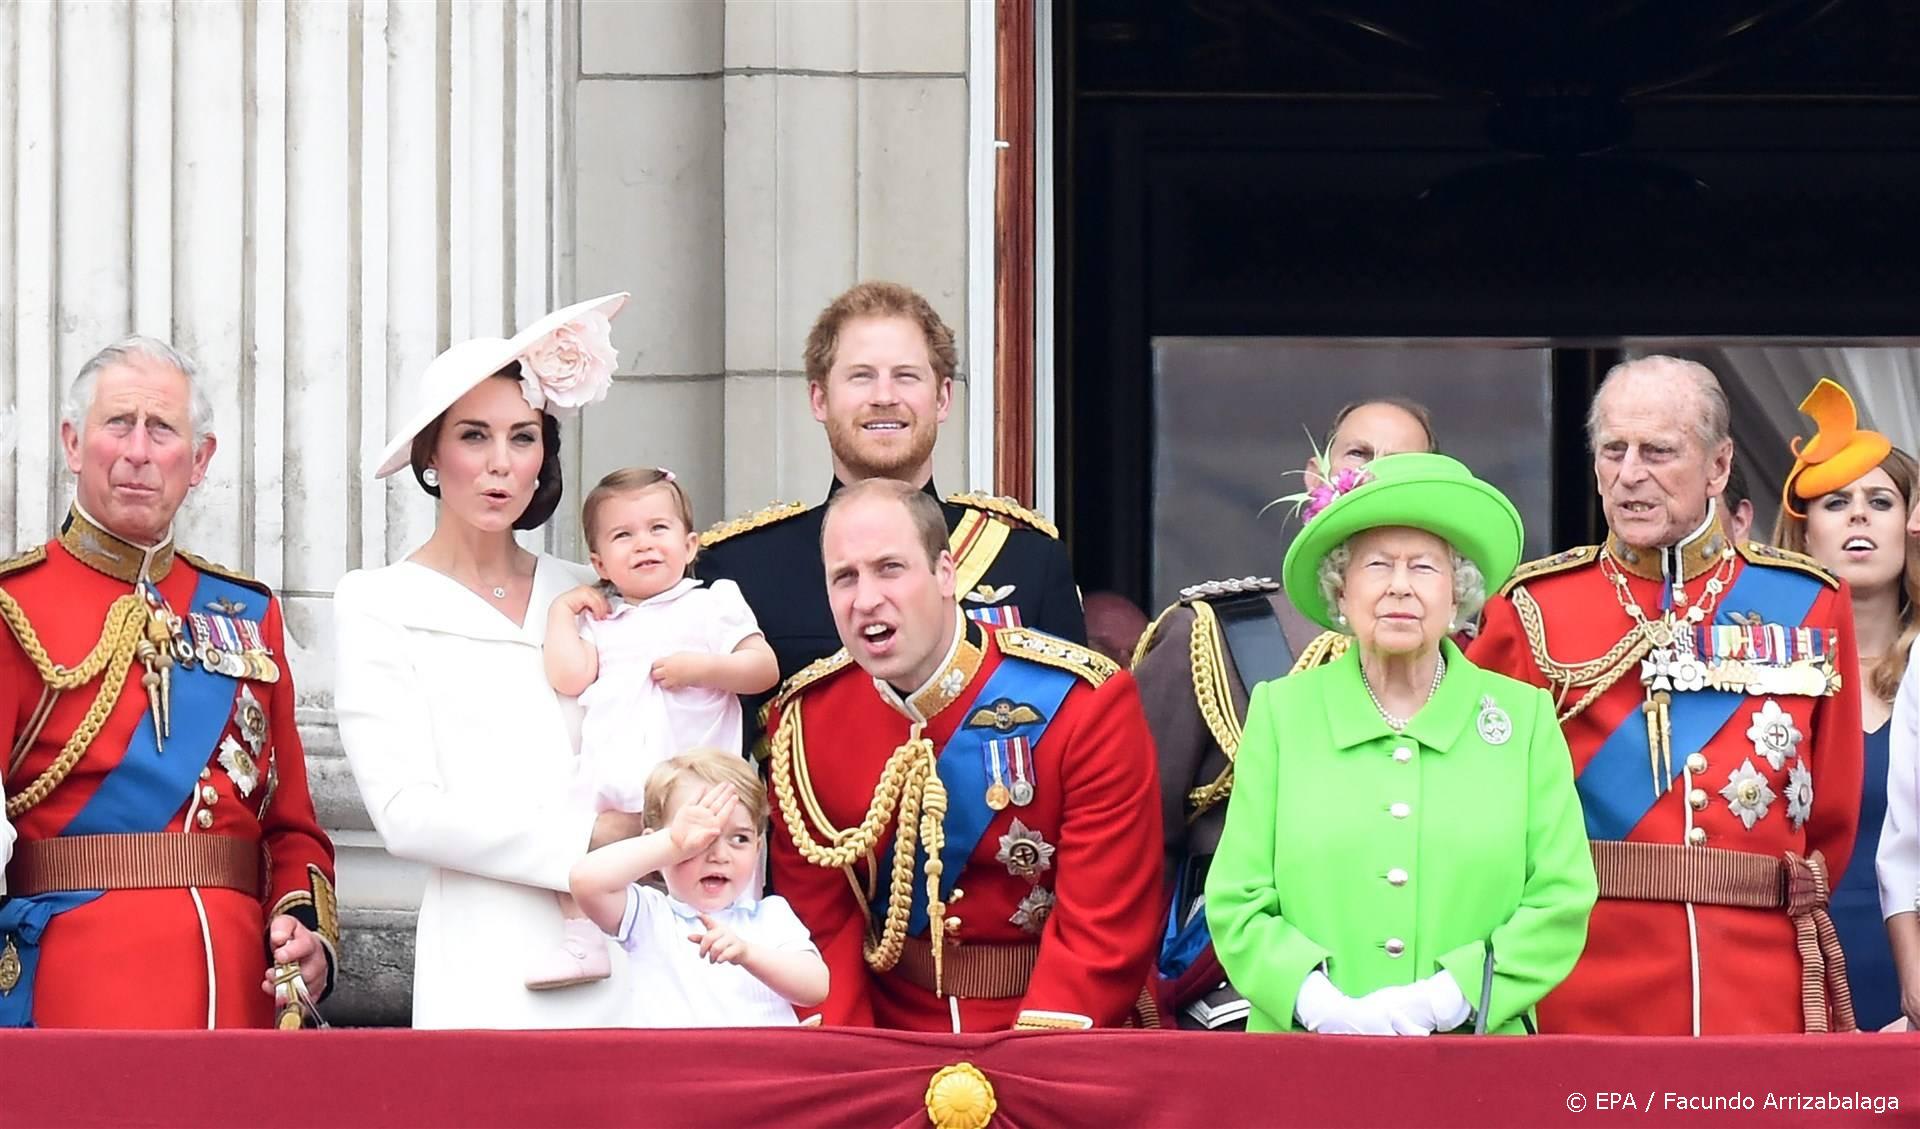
(1469,587)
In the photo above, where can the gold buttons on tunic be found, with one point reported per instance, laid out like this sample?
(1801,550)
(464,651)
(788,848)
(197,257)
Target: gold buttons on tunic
(957,894)
(1696,835)
(208,795)
(1395,946)
(204,819)
(1697,799)
(1696,764)
(1400,811)
(206,774)
(1403,754)
(1396,877)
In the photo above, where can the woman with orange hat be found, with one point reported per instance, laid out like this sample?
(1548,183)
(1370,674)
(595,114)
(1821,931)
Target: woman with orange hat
(1845,503)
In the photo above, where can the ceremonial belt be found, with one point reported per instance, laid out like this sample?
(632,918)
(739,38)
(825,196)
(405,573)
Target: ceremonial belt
(145,861)
(1661,872)
(1254,637)
(976,972)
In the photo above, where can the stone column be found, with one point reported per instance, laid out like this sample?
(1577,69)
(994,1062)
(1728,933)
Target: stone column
(311,199)
(736,165)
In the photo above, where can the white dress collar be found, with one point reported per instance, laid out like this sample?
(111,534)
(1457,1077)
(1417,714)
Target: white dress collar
(622,605)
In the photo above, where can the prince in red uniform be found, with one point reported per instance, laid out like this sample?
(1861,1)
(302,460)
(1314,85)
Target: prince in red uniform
(964,814)
(1716,750)
(167,851)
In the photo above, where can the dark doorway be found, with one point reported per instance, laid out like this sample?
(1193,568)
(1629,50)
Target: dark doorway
(1510,177)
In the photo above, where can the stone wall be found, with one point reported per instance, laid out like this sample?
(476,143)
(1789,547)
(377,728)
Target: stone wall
(314,197)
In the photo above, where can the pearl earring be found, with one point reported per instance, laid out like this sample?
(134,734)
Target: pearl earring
(1341,619)
(431,477)
(1452,626)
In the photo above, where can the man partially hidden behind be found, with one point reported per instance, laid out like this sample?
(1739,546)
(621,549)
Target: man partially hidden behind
(1716,748)
(880,366)
(1197,666)
(957,812)
(168,856)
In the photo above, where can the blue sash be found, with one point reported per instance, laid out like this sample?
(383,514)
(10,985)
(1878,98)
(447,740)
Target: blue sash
(962,768)
(142,793)
(1615,791)
(1182,942)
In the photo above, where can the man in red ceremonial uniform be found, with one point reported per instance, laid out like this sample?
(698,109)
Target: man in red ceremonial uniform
(964,814)
(169,871)
(1716,749)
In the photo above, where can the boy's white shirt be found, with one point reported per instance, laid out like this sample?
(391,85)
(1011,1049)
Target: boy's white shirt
(676,987)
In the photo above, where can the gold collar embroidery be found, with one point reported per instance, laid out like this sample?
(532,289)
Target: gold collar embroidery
(948,683)
(1697,554)
(115,556)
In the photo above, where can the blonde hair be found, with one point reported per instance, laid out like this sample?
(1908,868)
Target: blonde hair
(705,766)
(631,480)
(1790,532)
(929,521)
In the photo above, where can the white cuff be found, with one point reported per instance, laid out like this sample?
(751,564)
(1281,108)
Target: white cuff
(1449,1004)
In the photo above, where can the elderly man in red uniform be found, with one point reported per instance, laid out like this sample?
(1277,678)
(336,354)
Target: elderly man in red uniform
(169,871)
(964,813)
(1716,748)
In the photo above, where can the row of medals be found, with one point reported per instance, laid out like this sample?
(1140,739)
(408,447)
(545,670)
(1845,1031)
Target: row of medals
(186,645)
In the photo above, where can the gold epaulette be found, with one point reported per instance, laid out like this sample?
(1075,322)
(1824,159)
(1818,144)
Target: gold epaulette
(734,527)
(807,676)
(1195,594)
(1025,643)
(23,561)
(1766,556)
(1547,566)
(1214,589)
(225,573)
(1325,648)
(1006,507)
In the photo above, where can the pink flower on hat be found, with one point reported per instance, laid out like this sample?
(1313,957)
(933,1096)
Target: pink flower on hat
(572,366)
(1322,496)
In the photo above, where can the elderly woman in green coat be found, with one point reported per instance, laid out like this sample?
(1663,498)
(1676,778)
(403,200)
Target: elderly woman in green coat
(1404,852)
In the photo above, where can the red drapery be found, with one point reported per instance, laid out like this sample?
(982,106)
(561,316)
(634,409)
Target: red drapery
(866,1078)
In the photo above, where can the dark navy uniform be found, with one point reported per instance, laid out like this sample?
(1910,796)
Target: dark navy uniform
(1013,571)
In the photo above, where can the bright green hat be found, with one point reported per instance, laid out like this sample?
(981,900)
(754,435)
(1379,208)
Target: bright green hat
(1420,491)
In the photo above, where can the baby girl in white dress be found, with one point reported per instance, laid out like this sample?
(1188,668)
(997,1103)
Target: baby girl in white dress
(658,671)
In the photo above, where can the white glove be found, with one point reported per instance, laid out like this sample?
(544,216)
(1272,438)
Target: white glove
(1424,1006)
(1327,1010)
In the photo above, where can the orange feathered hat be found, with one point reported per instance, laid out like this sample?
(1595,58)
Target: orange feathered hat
(1839,452)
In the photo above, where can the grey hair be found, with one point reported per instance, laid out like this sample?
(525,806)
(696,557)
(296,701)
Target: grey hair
(80,393)
(1469,586)
(1712,427)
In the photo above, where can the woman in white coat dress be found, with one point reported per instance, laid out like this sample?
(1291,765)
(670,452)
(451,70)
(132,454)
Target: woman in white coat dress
(463,753)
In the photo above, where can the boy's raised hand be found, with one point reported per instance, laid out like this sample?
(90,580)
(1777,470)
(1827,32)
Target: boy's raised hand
(719,944)
(696,825)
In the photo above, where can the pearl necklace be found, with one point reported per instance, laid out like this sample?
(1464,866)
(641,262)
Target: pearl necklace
(1399,724)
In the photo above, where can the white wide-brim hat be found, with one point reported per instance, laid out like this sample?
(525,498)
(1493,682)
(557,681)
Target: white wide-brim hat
(461,368)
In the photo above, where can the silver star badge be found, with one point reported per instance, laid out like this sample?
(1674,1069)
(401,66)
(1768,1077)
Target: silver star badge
(1034,909)
(1024,852)
(1748,794)
(241,768)
(1799,795)
(1774,735)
